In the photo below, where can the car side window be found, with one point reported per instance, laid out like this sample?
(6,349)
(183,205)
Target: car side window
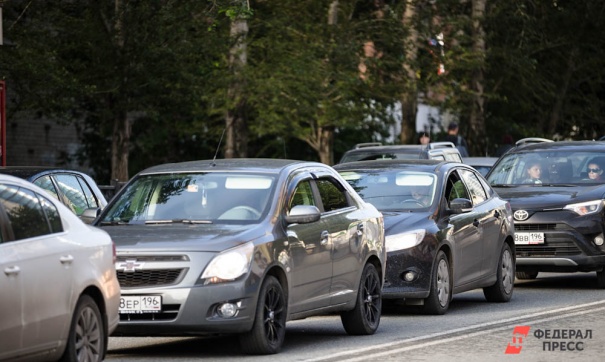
(46,183)
(73,191)
(455,188)
(475,188)
(332,197)
(303,195)
(25,212)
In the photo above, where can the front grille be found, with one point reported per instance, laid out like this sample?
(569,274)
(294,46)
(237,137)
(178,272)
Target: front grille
(553,247)
(537,227)
(169,312)
(150,277)
(150,258)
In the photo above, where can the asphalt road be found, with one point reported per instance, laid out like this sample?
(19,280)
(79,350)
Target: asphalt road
(562,315)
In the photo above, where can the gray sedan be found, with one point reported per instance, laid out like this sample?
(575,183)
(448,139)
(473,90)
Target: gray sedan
(241,246)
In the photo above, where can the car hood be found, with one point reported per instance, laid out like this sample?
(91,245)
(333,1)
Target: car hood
(177,237)
(397,222)
(549,197)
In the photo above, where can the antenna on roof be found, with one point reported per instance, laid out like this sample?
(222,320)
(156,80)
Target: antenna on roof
(218,147)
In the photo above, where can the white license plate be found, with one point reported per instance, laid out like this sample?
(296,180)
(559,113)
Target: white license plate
(140,304)
(529,238)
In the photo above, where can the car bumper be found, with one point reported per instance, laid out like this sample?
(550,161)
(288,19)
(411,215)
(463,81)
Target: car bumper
(414,260)
(567,247)
(192,311)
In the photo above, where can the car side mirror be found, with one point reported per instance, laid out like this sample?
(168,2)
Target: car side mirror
(460,206)
(89,215)
(303,214)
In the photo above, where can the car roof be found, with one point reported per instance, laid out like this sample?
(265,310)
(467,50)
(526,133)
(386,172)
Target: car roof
(570,146)
(416,164)
(266,165)
(32,172)
(480,161)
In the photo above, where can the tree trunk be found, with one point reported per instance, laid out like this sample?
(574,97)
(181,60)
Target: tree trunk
(325,134)
(236,143)
(120,141)
(555,114)
(477,116)
(409,99)
(120,145)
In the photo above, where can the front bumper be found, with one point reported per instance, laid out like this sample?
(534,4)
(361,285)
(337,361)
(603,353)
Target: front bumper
(416,260)
(192,311)
(570,243)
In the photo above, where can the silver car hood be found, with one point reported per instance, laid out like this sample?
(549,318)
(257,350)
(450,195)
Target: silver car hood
(180,237)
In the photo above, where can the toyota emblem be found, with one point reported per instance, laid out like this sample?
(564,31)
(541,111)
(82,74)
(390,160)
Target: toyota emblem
(521,215)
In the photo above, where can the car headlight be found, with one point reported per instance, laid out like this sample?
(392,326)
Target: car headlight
(585,208)
(404,241)
(229,265)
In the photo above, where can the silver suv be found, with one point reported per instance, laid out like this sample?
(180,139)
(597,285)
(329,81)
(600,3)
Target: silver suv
(444,151)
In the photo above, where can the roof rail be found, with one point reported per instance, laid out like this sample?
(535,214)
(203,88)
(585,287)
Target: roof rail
(434,145)
(368,144)
(525,141)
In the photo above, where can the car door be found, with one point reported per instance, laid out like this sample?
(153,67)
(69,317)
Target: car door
(344,227)
(11,295)
(42,261)
(466,235)
(310,252)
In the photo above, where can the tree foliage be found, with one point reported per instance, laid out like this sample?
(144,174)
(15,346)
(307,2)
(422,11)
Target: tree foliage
(154,75)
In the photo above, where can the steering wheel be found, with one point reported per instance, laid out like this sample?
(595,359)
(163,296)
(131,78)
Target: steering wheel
(413,201)
(241,212)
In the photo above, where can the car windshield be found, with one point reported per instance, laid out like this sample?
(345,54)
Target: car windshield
(557,168)
(212,197)
(393,190)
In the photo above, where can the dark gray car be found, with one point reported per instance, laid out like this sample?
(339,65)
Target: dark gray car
(242,246)
(447,231)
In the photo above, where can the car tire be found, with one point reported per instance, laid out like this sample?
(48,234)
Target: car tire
(502,290)
(364,318)
(601,279)
(87,339)
(526,275)
(440,294)
(269,328)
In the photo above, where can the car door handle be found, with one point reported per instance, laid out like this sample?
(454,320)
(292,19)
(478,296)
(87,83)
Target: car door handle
(66,259)
(12,270)
(476,223)
(324,237)
(360,229)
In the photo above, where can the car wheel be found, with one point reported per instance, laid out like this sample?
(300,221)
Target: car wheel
(601,279)
(526,275)
(87,339)
(269,328)
(502,290)
(365,317)
(440,294)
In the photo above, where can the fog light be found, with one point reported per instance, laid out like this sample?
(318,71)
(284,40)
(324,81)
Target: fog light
(227,310)
(409,276)
(599,240)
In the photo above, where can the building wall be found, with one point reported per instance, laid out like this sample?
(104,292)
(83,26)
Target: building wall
(41,142)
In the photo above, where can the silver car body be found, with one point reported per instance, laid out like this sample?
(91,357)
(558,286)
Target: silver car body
(47,274)
(193,213)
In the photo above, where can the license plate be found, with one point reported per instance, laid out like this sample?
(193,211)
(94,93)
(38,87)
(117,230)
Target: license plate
(529,238)
(140,304)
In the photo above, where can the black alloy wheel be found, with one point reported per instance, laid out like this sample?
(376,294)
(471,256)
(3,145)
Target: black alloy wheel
(269,328)
(364,319)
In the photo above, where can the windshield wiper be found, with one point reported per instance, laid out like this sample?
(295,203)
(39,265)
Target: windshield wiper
(178,221)
(115,222)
